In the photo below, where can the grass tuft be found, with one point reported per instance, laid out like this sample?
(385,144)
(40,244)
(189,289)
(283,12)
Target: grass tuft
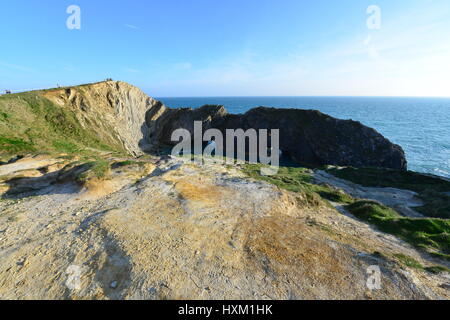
(15,145)
(96,169)
(409,261)
(431,234)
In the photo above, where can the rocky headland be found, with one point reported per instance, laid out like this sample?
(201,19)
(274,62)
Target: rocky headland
(306,136)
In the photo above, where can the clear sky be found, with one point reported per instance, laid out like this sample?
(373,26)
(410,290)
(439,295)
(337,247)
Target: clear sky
(230,47)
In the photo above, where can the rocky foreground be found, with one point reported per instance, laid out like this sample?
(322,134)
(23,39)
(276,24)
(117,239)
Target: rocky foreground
(162,228)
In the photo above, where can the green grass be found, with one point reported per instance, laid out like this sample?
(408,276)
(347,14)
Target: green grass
(430,234)
(409,261)
(66,147)
(15,145)
(430,189)
(29,122)
(94,169)
(63,122)
(4,116)
(413,263)
(437,269)
(298,180)
(100,168)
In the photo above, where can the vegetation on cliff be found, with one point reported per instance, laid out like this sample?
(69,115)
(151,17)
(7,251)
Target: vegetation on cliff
(429,234)
(31,123)
(432,190)
(432,235)
(299,180)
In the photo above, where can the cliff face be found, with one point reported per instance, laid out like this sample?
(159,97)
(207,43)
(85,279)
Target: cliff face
(122,115)
(307,136)
(163,121)
(115,109)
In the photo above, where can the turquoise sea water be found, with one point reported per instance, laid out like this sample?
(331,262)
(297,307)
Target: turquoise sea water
(420,125)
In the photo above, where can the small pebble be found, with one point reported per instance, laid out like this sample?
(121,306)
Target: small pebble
(113,284)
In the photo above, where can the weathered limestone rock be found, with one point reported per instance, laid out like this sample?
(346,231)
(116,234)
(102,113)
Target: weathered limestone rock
(116,110)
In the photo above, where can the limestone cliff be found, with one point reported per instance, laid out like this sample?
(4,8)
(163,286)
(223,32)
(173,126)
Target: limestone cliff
(115,109)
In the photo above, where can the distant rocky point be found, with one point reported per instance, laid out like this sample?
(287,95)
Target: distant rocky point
(307,136)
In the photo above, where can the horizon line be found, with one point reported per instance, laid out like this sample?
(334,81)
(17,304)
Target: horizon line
(300,96)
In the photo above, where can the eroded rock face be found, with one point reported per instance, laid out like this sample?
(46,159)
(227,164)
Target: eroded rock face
(307,136)
(163,121)
(116,110)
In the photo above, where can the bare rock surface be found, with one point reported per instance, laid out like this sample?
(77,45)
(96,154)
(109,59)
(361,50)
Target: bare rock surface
(401,200)
(171,229)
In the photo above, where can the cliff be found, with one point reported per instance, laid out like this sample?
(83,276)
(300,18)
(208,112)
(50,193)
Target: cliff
(306,136)
(103,116)
(116,115)
(115,109)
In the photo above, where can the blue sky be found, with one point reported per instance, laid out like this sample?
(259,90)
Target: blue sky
(230,48)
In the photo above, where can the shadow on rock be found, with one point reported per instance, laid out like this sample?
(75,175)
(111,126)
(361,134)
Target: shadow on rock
(64,181)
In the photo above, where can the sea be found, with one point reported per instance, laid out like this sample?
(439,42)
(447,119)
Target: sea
(420,125)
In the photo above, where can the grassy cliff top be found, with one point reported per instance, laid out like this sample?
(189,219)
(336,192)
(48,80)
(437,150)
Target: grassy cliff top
(31,123)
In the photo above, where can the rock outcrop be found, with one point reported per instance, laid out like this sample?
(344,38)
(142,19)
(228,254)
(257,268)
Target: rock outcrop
(307,136)
(115,109)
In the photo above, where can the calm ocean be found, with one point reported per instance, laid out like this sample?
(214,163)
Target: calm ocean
(420,125)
